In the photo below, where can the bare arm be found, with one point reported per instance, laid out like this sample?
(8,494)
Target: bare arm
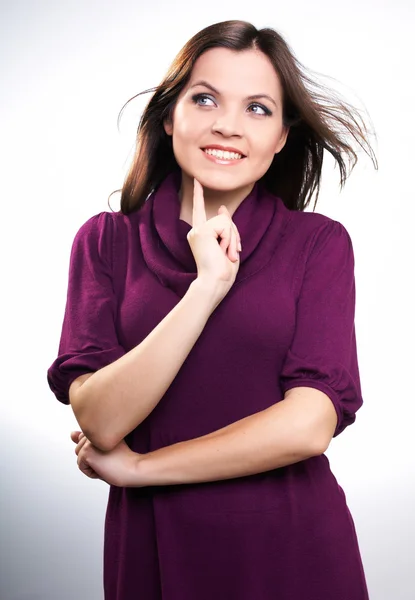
(114,400)
(111,402)
(296,428)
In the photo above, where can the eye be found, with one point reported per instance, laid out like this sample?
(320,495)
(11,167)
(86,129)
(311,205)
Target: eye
(197,97)
(263,108)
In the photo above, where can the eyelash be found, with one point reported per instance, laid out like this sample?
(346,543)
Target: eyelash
(268,113)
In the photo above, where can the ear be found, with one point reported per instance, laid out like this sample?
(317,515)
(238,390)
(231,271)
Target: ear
(168,126)
(283,138)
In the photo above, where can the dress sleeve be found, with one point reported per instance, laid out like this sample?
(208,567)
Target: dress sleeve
(323,353)
(88,339)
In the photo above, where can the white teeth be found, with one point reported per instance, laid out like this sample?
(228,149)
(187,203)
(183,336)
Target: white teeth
(223,154)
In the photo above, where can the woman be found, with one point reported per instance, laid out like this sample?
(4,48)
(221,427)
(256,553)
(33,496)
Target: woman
(209,378)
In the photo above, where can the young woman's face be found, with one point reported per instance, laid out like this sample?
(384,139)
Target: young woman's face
(216,109)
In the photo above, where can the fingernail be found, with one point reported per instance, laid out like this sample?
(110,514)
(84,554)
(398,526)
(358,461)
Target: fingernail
(239,247)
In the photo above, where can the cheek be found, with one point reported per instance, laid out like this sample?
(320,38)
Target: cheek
(264,152)
(183,139)
(265,146)
(268,143)
(185,124)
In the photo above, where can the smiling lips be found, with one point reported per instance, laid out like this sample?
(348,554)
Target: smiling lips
(228,156)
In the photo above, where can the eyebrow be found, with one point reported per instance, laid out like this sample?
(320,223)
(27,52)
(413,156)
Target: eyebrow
(253,97)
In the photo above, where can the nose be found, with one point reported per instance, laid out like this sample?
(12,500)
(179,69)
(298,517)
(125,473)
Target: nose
(227,124)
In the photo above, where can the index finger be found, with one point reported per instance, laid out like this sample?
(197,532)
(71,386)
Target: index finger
(199,212)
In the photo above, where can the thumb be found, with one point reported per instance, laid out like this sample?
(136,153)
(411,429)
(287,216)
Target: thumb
(75,436)
(222,210)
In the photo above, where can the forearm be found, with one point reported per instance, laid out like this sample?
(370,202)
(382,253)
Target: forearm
(273,438)
(118,397)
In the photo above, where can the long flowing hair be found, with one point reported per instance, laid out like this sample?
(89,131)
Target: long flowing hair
(318,119)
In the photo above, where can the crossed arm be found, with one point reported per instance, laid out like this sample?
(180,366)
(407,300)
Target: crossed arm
(298,427)
(113,401)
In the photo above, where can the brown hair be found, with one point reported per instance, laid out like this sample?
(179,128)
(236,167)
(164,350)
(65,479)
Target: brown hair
(318,121)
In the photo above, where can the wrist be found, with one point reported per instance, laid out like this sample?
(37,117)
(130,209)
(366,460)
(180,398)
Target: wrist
(157,467)
(143,474)
(134,477)
(209,293)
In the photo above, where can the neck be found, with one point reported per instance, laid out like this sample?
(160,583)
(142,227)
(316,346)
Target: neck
(213,199)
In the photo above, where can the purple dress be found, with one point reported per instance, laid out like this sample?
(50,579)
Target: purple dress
(288,321)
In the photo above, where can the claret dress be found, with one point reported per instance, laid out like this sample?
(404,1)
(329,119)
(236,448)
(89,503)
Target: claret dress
(288,321)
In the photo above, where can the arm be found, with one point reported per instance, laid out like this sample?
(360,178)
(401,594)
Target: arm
(297,428)
(111,402)
(125,387)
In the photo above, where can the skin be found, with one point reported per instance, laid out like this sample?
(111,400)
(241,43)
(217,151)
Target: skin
(208,189)
(228,119)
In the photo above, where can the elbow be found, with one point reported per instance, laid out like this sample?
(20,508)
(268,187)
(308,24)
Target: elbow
(101,443)
(106,443)
(317,446)
(89,424)
(318,441)
(315,438)
(307,447)
(310,439)
(104,430)
(95,434)
(315,416)
(320,433)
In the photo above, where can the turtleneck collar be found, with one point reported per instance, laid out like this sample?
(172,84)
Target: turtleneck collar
(164,242)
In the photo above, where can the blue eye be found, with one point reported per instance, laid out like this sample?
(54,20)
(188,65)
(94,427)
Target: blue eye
(198,97)
(264,108)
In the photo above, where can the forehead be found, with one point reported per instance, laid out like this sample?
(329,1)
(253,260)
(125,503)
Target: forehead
(237,73)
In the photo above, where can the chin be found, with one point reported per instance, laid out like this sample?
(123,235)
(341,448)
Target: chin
(219,183)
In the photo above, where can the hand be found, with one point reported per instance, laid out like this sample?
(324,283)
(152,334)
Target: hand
(216,263)
(77,436)
(116,467)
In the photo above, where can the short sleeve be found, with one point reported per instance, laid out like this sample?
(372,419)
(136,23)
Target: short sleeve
(323,353)
(88,339)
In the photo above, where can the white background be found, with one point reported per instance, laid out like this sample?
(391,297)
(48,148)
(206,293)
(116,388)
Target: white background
(67,69)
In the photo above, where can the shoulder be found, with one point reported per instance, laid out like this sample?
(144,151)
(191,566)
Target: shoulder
(313,243)
(95,239)
(326,253)
(97,226)
(311,231)
(318,229)
(106,227)
(104,222)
